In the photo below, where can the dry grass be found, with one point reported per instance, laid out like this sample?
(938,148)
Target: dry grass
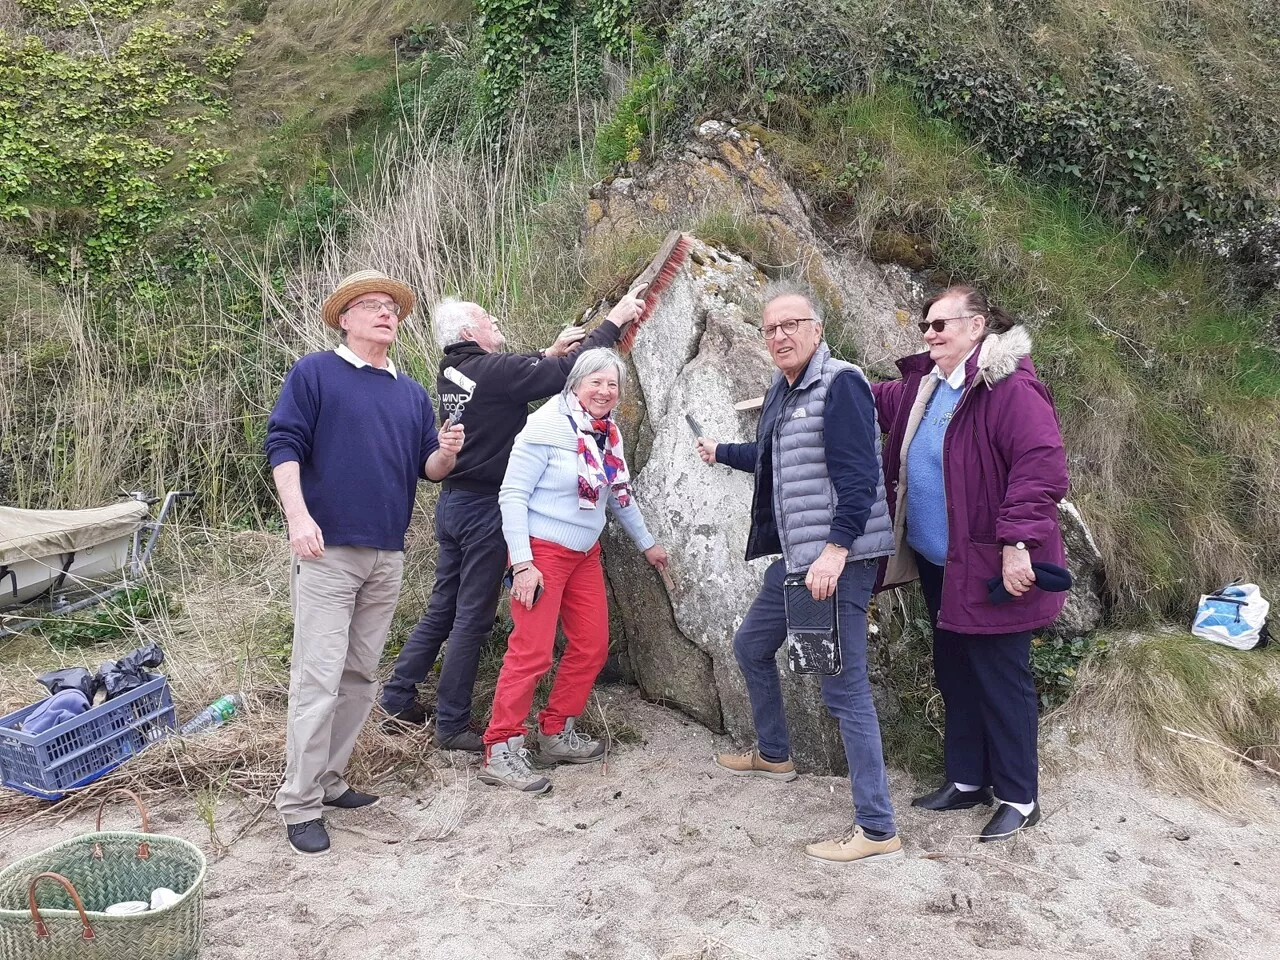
(1148,686)
(449,220)
(229,631)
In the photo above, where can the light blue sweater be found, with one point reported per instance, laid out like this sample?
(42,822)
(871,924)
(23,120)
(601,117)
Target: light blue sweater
(926,492)
(539,495)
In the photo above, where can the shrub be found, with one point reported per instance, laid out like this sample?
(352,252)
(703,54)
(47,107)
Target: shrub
(746,53)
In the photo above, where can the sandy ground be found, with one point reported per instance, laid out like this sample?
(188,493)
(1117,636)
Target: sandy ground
(661,856)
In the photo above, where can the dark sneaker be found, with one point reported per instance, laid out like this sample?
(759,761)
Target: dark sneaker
(414,715)
(310,839)
(508,766)
(567,746)
(352,800)
(464,739)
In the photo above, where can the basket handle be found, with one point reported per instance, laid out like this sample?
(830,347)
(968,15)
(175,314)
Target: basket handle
(144,849)
(42,928)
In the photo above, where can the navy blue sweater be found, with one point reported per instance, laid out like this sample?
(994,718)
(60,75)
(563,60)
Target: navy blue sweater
(361,438)
(849,437)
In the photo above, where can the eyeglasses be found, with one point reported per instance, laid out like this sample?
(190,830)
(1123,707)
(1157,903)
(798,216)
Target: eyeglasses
(789,327)
(941,323)
(375,306)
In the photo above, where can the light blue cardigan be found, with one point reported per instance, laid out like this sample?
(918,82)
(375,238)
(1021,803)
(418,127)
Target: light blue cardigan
(539,495)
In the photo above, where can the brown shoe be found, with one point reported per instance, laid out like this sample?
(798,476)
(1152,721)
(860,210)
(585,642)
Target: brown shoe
(854,848)
(751,764)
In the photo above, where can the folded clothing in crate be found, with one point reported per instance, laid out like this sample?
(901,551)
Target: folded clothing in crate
(57,709)
(80,750)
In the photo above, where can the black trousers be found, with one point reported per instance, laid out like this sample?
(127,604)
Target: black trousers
(990,696)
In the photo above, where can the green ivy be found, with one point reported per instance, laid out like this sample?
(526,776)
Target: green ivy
(60,13)
(612,20)
(97,153)
(1055,663)
(514,33)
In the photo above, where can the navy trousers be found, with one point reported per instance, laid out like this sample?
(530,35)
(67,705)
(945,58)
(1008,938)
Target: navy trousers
(463,604)
(990,696)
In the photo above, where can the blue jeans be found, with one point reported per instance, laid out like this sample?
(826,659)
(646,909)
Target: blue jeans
(847,695)
(463,604)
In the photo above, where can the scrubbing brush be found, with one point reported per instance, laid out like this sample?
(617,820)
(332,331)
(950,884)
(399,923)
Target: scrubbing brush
(656,277)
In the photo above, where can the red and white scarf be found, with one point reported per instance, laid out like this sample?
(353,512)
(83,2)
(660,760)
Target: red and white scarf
(598,468)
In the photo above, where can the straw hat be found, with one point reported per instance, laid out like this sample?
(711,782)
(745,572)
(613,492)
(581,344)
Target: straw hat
(358,284)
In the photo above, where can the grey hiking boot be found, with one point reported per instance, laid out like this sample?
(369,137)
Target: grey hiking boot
(567,746)
(508,766)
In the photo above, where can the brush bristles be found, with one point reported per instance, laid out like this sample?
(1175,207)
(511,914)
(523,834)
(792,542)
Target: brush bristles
(657,286)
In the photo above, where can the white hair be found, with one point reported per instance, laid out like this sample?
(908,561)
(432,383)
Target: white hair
(776,289)
(593,361)
(450,317)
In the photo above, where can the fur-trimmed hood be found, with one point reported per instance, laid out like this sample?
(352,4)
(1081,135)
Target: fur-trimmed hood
(1001,353)
(996,359)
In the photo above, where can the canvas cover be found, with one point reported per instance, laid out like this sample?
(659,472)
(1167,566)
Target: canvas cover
(32,534)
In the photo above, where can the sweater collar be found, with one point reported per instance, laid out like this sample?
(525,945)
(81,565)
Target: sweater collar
(347,354)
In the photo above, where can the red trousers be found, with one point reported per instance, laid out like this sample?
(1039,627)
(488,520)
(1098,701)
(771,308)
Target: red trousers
(573,594)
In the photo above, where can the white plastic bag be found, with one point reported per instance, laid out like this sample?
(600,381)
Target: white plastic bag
(1235,616)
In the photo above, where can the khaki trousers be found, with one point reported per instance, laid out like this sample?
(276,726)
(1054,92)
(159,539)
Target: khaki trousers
(342,609)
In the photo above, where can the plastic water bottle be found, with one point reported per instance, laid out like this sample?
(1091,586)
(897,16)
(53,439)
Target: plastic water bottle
(215,714)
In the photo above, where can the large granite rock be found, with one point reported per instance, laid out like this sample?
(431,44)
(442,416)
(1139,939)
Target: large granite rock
(699,353)
(725,172)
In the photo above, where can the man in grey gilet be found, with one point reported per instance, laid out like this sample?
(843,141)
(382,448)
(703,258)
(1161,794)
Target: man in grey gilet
(820,503)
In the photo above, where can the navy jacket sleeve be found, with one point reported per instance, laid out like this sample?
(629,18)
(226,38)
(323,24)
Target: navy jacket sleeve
(739,456)
(853,460)
(535,378)
(291,426)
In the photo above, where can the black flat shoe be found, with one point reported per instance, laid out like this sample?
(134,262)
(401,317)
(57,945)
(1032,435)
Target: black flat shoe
(352,800)
(947,797)
(1006,822)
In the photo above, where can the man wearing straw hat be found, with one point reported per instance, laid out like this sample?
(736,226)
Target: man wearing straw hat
(348,440)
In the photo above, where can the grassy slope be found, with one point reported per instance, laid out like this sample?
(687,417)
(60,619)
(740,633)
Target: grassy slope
(1167,393)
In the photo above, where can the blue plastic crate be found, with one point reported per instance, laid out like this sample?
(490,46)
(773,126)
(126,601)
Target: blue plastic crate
(84,748)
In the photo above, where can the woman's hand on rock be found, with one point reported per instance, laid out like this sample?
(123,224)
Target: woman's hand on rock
(1016,571)
(525,585)
(657,557)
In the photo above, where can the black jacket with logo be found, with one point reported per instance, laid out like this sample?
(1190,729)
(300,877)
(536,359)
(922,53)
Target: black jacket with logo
(506,383)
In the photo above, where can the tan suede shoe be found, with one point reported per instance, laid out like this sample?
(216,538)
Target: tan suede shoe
(854,848)
(751,764)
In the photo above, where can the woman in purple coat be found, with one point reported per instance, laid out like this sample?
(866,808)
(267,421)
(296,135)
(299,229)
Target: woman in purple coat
(974,469)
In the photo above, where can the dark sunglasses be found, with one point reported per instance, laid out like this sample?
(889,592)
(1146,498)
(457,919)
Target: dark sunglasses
(941,323)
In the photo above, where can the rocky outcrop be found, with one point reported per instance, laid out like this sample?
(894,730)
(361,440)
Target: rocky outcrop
(726,173)
(1083,611)
(699,353)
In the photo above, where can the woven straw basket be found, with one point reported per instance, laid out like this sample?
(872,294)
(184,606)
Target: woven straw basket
(52,903)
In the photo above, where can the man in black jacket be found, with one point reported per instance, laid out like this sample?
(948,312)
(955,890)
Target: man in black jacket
(473,553)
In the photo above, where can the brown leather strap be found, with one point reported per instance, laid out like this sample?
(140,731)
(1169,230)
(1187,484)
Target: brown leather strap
(144,849)
(42,929)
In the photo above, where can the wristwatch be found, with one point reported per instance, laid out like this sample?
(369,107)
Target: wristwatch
(1019,545)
